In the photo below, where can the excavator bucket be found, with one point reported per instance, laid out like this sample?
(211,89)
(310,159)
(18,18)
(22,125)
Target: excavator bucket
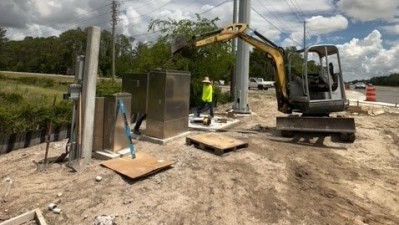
(181,46)
(179,43)
(343,126)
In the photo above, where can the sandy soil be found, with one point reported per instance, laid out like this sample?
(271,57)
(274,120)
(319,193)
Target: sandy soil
(300,180)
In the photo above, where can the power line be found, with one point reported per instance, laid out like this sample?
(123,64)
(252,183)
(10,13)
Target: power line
(293,10)
(82,16)
(298,7)
(151,11)
(156,31)
(273,25)
(271,12)
(142,6)
(214,7)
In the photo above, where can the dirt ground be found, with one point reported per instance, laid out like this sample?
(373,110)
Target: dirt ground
(302,180)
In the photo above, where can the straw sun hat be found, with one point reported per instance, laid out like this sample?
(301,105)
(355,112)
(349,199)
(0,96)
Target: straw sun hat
(206,80)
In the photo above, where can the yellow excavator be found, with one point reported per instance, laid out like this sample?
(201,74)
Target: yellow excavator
(310,96)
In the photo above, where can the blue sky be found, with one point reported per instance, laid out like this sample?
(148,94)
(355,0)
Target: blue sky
(366,31)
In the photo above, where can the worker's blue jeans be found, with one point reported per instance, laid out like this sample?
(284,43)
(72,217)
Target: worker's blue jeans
(204,107)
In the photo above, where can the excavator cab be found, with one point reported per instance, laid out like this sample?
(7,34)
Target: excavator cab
(318,88)
(315,91)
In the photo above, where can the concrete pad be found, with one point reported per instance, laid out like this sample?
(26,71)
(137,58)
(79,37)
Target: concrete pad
(162,141)
(354,95)
(106,154)
(215,124)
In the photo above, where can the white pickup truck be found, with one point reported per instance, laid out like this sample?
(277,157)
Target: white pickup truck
(259,83)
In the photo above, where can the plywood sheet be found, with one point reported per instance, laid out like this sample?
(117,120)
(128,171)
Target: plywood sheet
(142,165)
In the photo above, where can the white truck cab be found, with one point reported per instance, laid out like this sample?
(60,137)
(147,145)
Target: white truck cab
(259,83)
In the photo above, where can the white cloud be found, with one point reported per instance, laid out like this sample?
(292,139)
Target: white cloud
(393,29)
(368,10)
(325,25)
(299,6)
(366,58)
(316,25)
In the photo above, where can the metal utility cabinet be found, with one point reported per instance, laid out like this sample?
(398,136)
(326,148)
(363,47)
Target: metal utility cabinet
(167,103)
(137,85)
(109,129)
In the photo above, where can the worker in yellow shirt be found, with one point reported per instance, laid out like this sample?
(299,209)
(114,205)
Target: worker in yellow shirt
(207,92)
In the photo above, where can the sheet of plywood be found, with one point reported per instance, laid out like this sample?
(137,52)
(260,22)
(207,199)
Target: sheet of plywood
(141,166)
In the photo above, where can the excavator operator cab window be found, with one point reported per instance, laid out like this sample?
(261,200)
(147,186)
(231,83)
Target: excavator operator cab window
(320,72)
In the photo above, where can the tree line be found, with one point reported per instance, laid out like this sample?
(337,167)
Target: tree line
(57,54)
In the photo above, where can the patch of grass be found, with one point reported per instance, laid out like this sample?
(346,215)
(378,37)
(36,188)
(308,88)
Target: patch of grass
(62,79)
(26,104)
(108,87)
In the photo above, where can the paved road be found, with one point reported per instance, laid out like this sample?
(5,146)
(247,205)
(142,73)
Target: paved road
(384,94)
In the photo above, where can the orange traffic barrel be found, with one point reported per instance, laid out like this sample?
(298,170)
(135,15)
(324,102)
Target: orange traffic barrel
(370,94)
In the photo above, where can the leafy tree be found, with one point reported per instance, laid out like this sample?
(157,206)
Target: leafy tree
(72,43)
(214,61)
(260,65)
(124,54)
(391,80)
(3,41)
(58,54)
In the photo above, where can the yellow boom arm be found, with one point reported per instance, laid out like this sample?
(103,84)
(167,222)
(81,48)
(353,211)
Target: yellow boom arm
(239,30)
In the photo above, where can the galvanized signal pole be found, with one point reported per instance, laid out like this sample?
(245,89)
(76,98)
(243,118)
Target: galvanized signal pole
(114,7)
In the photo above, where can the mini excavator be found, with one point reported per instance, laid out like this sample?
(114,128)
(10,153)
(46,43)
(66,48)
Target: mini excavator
(308,97)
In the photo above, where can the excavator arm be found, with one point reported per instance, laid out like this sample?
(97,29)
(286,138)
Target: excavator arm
(239,30)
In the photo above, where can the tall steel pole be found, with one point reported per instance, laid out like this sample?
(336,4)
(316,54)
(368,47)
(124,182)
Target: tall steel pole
(241,76)
(304,34)
(114,22)
(235,20)
(234,51)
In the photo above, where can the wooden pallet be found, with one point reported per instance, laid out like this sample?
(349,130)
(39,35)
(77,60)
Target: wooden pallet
(32,217)
(215,143)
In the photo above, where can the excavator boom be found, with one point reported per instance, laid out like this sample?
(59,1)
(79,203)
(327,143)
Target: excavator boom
(239,30)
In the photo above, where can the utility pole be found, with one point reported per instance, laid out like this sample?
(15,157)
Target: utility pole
(234,50)
(89,91)
(235,20)
(304,34)
(240,104)
(114,7)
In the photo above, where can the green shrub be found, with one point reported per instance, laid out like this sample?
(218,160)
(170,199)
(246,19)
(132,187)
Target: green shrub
(49,83)
(37,81)
(108,87)
(29,80)
(195,94)
(62,114)
(221,97)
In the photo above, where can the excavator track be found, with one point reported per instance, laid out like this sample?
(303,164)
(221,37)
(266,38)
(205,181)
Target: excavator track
(343,126)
